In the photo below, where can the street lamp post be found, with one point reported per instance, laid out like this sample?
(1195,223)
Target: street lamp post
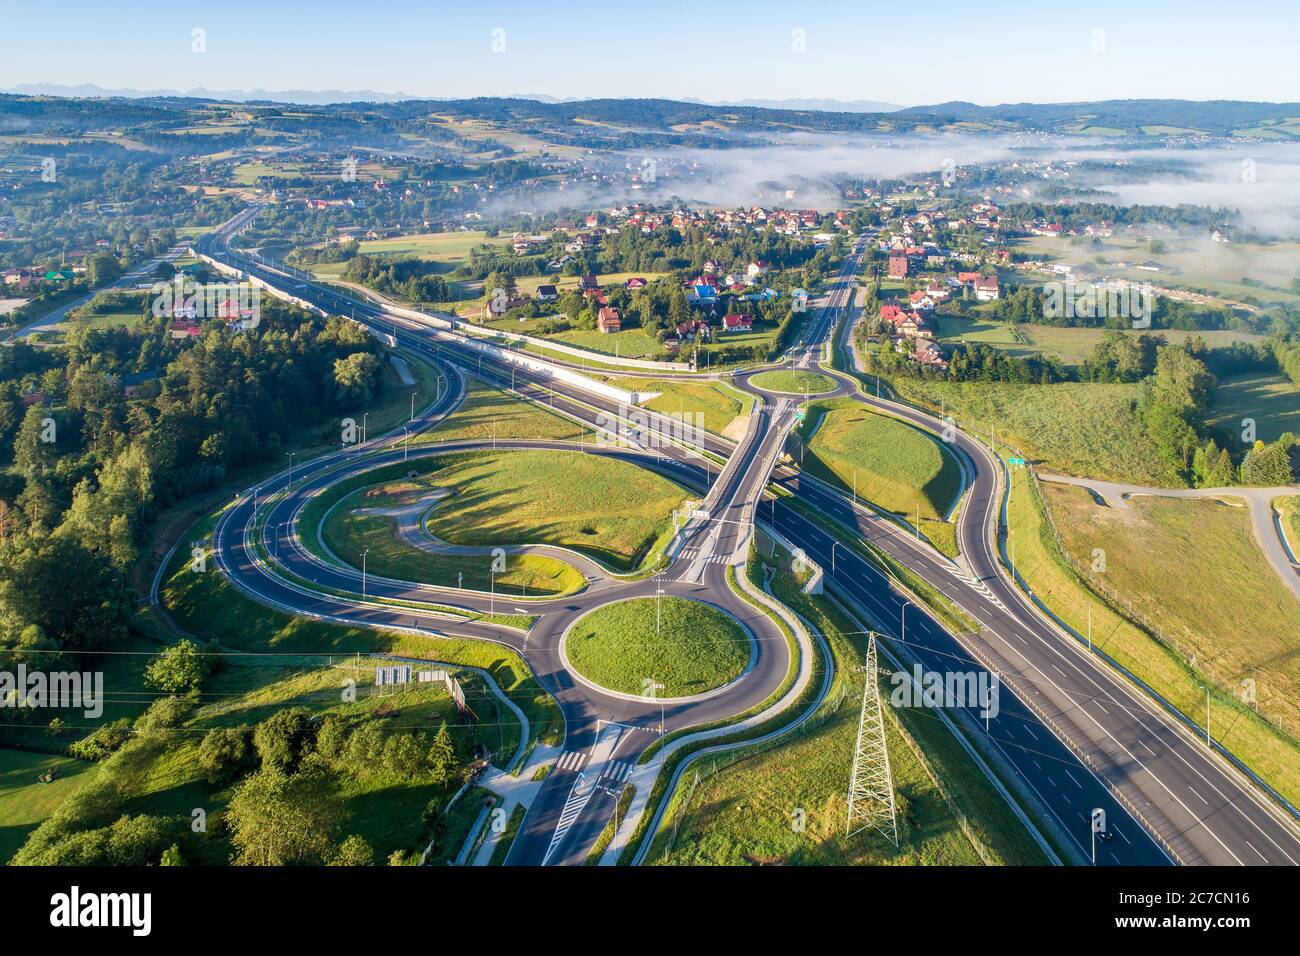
(363,571)
(413,394)
(290,454)
(902,617)
(406,444)
(659,593)
(834,544)
(364,417)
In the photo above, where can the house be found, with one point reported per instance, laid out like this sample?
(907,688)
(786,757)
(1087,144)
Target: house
(893,314)
(928,355)
(898,266)
(635,282)
(36,397)
(547,293)
(588,283)
(498,306)
(755,269)
(921,301)
(737,322)
(703,291)
(186,329)
(986,288)
(693,327)
(608,320)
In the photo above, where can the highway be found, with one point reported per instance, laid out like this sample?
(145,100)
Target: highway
(1075,733)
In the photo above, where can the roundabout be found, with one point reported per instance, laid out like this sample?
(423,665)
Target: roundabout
(794,382)
(672,649)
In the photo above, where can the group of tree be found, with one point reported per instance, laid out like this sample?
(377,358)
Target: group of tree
(89,468)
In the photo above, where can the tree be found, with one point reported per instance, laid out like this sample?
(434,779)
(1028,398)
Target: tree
(354,379)
(442,757)
(278,820)
(281,739)
(172,857)
(178,669)
(138,840)
(102,269)
(353,851)
(33,454)
(74,598)
(1267,465)
(224,753)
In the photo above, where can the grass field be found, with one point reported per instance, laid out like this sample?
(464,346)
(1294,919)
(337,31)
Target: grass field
(488,412)
(1194,263)
(629,343)
(1080,428)
(1289,509)
(981,331)
(613,510)
(793,382)
(785,804)
(450,247)
(1219,602)
(348,535)
(1073,345)
(1165,668)
(1270,400)
(690,648)
(892,465)
(160,774)
(206,605)
(24,800)
(718,402)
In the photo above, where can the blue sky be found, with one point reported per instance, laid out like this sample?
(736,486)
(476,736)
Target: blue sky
(910,54)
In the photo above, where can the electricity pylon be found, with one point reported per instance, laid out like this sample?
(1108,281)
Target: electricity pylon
(871,787)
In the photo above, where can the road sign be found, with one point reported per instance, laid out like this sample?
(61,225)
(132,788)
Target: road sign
(1015,461)
(800,414)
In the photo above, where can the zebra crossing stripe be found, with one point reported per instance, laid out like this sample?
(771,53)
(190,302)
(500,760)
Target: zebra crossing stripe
(617,771)
(573,806)
(571,760)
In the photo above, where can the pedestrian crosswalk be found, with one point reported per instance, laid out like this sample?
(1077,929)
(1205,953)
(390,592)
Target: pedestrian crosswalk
(691,554)
(617,771)
(571,760)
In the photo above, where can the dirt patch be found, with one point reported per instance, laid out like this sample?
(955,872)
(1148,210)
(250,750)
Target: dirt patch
(736,428)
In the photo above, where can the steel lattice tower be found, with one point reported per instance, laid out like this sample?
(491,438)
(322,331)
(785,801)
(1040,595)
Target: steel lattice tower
(871,787)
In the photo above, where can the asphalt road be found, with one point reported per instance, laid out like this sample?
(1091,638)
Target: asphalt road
(1077,733)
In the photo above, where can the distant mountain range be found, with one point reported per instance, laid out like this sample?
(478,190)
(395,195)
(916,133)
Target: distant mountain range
(626,123)
(321,98)
(305,97)
(326,97)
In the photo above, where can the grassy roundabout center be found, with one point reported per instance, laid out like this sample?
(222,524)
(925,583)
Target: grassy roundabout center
(793,382)
(697,647)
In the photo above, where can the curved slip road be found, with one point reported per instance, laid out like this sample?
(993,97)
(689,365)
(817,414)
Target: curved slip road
(1077,733)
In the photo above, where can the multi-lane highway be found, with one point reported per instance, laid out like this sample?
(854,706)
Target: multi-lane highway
(1074,734)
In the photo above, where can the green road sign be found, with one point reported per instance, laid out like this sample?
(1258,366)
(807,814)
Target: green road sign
(1015,461)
